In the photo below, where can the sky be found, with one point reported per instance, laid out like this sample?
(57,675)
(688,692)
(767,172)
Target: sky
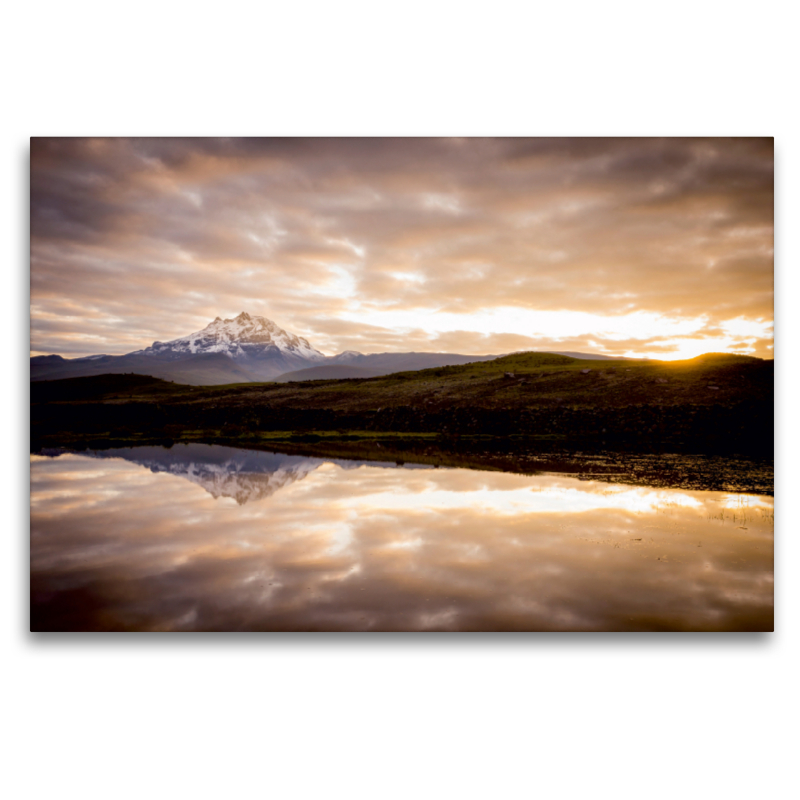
(659,248)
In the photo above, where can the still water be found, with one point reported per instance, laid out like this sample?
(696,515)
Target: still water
(201,537)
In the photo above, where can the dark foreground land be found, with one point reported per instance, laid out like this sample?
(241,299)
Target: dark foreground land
(705,423)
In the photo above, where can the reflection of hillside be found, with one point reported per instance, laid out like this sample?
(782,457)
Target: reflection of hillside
(244,475)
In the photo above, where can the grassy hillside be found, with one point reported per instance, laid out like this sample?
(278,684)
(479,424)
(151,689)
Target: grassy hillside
(199,369)
(714,403)
(327,372)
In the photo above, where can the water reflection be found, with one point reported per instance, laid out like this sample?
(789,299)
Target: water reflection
(243,475)
(210,538)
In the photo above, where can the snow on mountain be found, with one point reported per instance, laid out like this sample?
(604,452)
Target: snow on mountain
(346,357)
(244,338)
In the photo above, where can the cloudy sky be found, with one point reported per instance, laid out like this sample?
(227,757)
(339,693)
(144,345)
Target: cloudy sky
(638,247)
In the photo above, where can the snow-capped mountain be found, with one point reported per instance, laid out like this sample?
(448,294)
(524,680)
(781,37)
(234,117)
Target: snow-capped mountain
(346,357)
(244,338)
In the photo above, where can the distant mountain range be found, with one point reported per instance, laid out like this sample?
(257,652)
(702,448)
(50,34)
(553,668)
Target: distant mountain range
(246,349)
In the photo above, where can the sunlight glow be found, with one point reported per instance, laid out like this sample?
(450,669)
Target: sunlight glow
(681,349)
(679,337)
(526,322)
(748,328)
(553,500)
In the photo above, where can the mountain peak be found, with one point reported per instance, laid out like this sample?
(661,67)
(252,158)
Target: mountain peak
(243,338)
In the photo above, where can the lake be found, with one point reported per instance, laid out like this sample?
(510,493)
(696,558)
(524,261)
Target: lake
(204,537)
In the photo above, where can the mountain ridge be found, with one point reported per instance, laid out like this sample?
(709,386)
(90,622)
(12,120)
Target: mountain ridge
(242,337)
(246,349)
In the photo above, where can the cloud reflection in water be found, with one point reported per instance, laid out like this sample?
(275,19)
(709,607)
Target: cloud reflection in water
(118,547)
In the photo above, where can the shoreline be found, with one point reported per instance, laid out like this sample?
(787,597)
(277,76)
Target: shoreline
(691,471)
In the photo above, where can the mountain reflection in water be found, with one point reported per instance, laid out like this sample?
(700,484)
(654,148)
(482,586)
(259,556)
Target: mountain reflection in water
(243,475)
(278,542)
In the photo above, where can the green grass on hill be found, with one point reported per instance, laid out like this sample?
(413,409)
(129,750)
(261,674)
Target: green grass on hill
(517,380)
(714,400)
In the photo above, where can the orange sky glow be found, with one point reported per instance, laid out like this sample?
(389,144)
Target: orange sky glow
(658,248)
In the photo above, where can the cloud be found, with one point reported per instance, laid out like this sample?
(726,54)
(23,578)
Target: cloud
(389,549)
(134,240)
